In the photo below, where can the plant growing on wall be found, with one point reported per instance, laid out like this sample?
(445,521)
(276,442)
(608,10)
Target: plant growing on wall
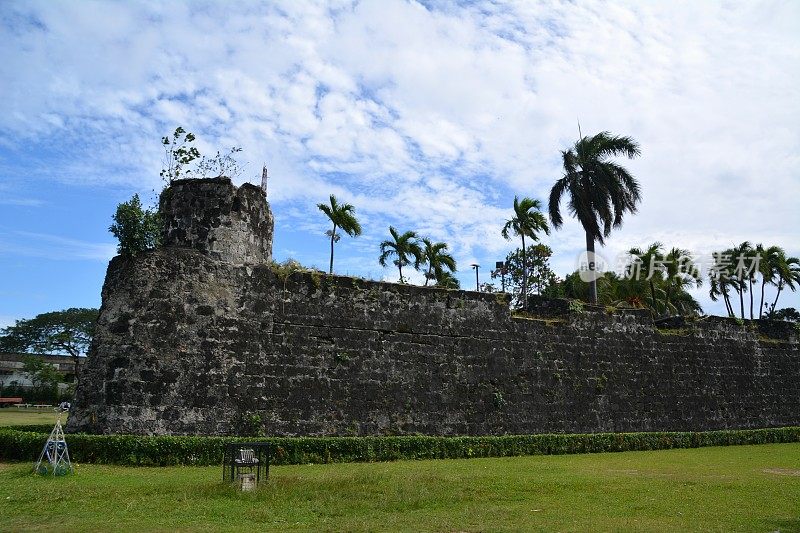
(342,216)
(403,248)
(222,164)
(178,153)
(527,221)
(135,228)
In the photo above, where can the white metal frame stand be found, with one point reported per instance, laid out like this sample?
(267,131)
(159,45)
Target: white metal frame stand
(54,459)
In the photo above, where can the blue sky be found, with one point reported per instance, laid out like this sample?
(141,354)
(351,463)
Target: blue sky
(428,117)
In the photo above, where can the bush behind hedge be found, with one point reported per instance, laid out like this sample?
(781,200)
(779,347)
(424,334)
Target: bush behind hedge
(25,444)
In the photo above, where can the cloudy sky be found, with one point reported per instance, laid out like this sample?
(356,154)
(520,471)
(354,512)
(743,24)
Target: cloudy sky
(425,116)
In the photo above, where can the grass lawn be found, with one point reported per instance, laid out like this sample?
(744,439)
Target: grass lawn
(12,416)
(737,488)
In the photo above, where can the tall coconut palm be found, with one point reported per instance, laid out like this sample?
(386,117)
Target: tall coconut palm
(720,279)
(681,273)
(741,256)
(769,258)
(649,260)
(788,275)
(403,248)
(436,256)
(343,217)
(753,271)
(527,221)
(599,191)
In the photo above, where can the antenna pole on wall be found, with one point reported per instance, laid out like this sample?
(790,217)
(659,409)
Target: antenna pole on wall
(264,176)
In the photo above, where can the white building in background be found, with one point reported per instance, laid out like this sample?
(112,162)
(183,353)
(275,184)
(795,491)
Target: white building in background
(12,368)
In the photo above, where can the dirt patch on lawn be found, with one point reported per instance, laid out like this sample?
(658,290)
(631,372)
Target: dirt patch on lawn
(782,472)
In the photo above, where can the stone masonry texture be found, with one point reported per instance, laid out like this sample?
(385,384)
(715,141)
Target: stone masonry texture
(203,333)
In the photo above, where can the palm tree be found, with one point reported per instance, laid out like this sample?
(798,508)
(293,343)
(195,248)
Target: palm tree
(599,191)
(788,275)
(720,280)
(685,304)
(403,248)
(680,273)
(768,268)
(527,222)
(343,217)
(649,259)
(437,258)
(447,280)
(753,265)
(741,254)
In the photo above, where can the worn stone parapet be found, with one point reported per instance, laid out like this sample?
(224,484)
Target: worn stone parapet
(229,223)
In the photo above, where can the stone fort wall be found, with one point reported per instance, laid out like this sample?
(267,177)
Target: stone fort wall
(190,341)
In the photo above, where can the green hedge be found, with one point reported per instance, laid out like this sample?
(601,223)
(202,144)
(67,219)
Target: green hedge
(24,445)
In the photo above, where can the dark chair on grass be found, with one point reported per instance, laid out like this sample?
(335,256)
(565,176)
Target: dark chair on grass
(250,457)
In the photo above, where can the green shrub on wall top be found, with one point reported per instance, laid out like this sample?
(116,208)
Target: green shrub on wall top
(24,443)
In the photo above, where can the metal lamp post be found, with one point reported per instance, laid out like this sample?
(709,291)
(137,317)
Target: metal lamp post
(500,267)
(477,284)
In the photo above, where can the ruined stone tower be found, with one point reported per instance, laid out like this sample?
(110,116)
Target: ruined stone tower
(214,217)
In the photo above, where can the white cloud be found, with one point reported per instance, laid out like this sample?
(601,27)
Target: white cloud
(22,202)
(426,118)
(54,247)
(6,321)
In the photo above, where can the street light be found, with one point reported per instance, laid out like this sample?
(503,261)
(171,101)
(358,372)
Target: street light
(477,284)
(500,268)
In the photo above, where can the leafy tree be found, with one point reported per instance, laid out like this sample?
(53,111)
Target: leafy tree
(599,191)
(487,287)
(178,152)
(628,291)
(527,221)
(438,259)
(404,248)
(42,374)
(540,277)
(789,314)
(342,216)
(136,229)
(67,332)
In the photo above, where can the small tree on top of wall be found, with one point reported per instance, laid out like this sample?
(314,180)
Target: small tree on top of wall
(137,229)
